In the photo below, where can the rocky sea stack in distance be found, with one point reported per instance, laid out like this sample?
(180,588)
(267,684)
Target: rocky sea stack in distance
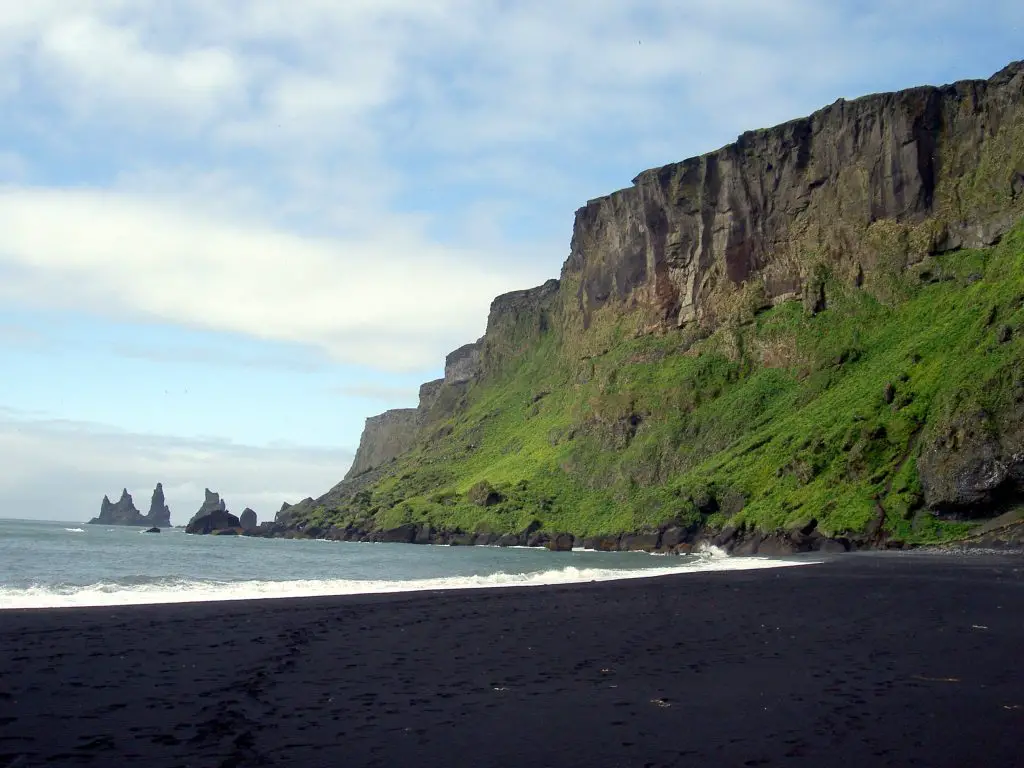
(213,517)
(123,512)
(810,338)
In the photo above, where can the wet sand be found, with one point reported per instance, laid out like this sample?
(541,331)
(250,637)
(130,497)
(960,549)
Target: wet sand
(864,660)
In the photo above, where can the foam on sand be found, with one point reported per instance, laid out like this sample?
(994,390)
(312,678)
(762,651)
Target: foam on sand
(190,591)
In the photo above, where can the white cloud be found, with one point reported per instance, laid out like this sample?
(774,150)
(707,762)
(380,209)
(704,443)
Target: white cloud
(101,67)
(378,124)
(60,470)
(394,302)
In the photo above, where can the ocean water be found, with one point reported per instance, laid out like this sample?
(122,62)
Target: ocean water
(54,564)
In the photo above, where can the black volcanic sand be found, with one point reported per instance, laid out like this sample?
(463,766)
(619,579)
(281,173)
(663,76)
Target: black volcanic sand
(865,660)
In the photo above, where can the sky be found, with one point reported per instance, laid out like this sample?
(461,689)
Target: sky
(230,230)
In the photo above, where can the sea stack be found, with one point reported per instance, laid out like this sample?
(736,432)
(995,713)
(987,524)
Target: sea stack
(159,513)
(248,520)
(121,513)
(212,516)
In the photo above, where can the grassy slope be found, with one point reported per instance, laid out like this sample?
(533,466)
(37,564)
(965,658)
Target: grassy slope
(780,413)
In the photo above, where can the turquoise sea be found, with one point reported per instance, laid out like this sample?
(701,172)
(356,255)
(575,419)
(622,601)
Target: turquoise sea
(57,564)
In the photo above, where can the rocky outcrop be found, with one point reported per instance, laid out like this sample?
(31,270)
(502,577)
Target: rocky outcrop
(123,511)
(212,516)
(859,191)
(159,515)
(248,520)
(975,462)
(385,437)
(429,395)
(877,182)
(516,321)
(463,364)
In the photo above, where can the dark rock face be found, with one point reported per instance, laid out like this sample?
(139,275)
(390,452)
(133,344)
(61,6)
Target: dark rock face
(977,460)
(403,534)
(561,542)
(602,543)
(429,394)
(212,516)
(762,209)
(857,190)
(384,438)
(640,542)
(517,320)
(159,513)
(463,364)
(248,520)
(123,512)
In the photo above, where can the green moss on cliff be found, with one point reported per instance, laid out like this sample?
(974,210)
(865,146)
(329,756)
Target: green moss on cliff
(782,416)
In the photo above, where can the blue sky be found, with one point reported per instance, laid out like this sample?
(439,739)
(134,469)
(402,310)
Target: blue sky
(230,231)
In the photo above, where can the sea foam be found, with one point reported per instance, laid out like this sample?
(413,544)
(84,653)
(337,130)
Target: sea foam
(191,591)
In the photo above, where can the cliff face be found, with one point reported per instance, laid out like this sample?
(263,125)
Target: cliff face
(934,168)
(384,437)
(616,396)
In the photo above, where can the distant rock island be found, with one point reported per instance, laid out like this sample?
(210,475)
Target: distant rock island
(213,517)
(123,512)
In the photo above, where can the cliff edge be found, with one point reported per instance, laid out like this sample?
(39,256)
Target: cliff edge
(811,334)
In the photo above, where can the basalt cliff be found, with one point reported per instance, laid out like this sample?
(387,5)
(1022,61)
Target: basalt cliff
(809,338)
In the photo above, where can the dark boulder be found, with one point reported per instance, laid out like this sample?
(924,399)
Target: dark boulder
(248,520)
(485,539)
(672,537)
(212,516)
(560,542)
(403,534)
(975,463)
(639,542)
(424,535)
(602,543)
(508,540)
(153,530)
(537,539)
(461,540)
(484,494)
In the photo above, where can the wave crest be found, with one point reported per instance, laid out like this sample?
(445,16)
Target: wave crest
(190,591)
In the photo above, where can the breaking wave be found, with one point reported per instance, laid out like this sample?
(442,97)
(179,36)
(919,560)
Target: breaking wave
(143,591)
(75,530)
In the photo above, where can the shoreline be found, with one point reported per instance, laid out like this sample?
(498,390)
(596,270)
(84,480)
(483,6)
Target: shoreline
(560,572)
(866,659)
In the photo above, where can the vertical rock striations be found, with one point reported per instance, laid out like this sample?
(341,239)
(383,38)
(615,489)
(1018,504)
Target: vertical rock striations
(858,186)
(384,437)
(855,193)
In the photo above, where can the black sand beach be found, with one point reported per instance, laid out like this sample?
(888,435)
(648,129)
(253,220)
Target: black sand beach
(865,660)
